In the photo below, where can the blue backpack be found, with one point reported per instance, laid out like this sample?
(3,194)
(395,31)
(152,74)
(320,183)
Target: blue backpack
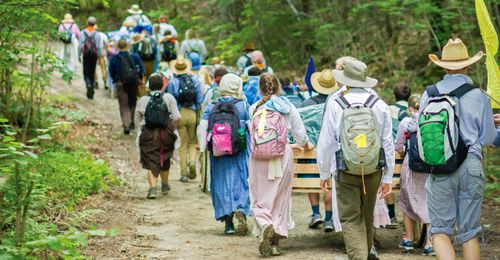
(250,89)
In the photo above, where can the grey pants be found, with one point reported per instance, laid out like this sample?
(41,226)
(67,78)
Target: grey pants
(455,199)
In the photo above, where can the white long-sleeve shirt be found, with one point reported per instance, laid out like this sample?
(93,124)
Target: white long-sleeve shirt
(328,142)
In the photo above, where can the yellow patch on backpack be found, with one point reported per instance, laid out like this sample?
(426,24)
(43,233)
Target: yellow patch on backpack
(360,141)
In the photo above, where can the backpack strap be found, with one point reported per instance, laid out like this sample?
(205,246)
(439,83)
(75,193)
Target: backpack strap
(371,100)
(432,91)
(342,101)
(462,90)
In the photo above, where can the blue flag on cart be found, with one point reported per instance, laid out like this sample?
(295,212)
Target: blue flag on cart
(310,70)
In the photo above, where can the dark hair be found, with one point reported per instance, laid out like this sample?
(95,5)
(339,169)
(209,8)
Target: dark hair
(219,72)
(155,82)
(402,91)
(285,82)
(254,71)
(268,85)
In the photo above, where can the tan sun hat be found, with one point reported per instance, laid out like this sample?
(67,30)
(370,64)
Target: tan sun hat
(180,65)
(355,75)
(249,46)
(137,37)
(455,56)
(68,18)
(135,9)
(323,82)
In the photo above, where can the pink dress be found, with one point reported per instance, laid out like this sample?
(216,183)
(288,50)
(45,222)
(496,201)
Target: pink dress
(412,199)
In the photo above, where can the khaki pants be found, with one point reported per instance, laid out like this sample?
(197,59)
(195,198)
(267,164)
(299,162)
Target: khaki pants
(356,212)
(189,140)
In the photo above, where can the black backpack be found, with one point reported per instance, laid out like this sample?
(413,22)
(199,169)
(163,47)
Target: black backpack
(128,71)
(187,90)
(168,51)
(157,114)
(223,127)
(249,61)
(89,47)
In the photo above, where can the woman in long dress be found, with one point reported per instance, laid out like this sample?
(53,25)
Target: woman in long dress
(271,180)
(69,51)
(412,200)
(229,174)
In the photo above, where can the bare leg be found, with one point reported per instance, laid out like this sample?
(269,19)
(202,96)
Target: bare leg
(428,243)
(152,180)
(328,200)
(471,249)
(313,198)
(408,223)
(444,248)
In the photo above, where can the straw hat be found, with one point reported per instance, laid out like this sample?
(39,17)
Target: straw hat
(123,45)
(249,46)
(455,56)
(137,37)
(180,65)
(135,9)
(324,82)
(355,75)
(68,18)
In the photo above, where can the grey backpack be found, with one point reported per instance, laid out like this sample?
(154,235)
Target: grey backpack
(361,150)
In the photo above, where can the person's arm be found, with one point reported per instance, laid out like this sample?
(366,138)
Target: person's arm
(298,128)
(327,144)
(82,40)
(497,139)
(76,31)
(175,115)
(114,69)
(199,92)
(173,31)
(387,143)
(399,145)
(202,129)
(140,65)
(203,50)
(487,129)
(139,112)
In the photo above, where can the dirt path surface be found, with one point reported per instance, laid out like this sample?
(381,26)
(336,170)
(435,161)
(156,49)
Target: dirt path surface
(181,224)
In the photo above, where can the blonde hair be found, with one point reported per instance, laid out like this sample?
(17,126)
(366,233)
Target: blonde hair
(191,34)
(413,102)
(206,75)
(269,85)
(342,61)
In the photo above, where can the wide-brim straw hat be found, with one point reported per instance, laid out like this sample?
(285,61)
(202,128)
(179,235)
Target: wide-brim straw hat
(455,56)
(355,75)
(68,18)
(137,37)
(324,82)
(135,9)
(249,46)
(180,65)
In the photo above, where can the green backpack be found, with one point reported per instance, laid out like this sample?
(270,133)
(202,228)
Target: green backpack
(440,145)
(360,141)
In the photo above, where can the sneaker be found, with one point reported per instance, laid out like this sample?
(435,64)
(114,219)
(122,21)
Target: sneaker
(394,224)
(429,251)
(229,229)
(184,179)
(241,228)
(151,194)
(275,250)
(328,226)
(373,255)
(192,171)
(316,220)
(406,245)
(267,234)
(165,188)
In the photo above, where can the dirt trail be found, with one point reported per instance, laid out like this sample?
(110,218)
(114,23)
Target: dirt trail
(181,224)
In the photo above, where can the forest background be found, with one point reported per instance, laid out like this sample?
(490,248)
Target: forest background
(42,157)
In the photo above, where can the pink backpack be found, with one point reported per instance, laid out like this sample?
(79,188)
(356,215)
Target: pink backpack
(269,134)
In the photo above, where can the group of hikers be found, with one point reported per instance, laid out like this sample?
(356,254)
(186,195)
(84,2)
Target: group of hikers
(250,121)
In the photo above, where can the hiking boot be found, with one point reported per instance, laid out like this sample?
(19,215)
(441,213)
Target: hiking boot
(406,245)
(96,85)
(328,226)
(192,170)
(316,220)
(165,188)
(105,84)
(394,224)
(275,250)
(151,193)
(429,251)
(184,179)
(241,228)
(373,255)
(126,131)
(265,240)
(229,229)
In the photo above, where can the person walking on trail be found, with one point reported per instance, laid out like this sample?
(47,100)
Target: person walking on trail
(102,59)
(156,116)
(245,60)
(412,200)
(89,52)
(355,147)
(167,37)
(191,44)
(455,196)
(126,71)
(187,91)
(213,93)
(324,84)
(258,61)
(224,123)
(144,45)
(69,35)
(137,16)
(271,162)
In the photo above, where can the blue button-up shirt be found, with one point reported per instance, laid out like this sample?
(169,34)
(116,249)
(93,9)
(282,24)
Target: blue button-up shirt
(173,88)
(474,111)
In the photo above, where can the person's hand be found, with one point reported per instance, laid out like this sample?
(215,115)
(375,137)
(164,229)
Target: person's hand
(324,185)
(308,147)
(297,147)
(496,118)
(384,190)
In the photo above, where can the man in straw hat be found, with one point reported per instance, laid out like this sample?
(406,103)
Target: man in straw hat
(137,15)
(457,197)
(69,34)
(246,60)
(356,163)
(187,91)
(126,70)
(324,84)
